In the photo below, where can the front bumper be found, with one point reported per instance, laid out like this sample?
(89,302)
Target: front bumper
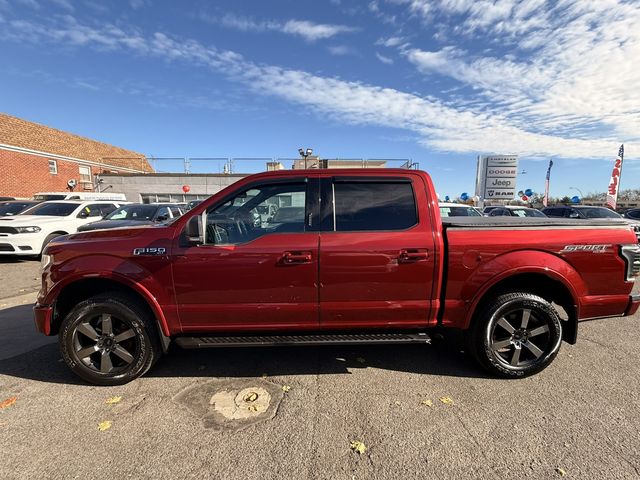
(21,244)
(42,315)
(632,307)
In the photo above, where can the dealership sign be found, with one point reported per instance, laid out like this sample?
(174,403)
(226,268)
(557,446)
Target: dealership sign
(496,177)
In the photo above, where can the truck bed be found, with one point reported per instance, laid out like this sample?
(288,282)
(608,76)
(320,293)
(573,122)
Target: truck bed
(528,222)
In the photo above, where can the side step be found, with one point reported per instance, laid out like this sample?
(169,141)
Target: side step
(292,340)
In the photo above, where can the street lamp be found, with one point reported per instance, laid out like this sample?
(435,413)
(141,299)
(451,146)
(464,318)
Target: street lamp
(304,154)
(579,191)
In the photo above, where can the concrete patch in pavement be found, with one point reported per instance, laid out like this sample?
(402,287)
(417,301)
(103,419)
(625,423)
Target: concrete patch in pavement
(232,405)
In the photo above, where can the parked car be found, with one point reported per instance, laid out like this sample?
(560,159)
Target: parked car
(2,199)
(457,210)
(48,196)
(136,214)
(193,203)
(15,207)
(31,231)
(587,212)
(370,261)
(632,213)
(515,211)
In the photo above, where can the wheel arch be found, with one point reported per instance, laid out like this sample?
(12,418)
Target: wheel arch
(80,289)
(546,284)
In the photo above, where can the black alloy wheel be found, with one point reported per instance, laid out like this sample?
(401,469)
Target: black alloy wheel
(516,335)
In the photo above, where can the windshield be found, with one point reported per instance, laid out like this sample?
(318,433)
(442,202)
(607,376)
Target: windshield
(52,209)
(12,208)
(527,212)
(598,212)
(461,211)
(133,212)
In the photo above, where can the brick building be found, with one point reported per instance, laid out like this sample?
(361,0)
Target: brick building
(36,158)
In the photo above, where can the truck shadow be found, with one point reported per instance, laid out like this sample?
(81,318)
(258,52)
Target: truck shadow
(45,363)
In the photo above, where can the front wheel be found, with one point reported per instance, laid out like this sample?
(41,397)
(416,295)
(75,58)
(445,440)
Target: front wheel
(109,339)
(516,335)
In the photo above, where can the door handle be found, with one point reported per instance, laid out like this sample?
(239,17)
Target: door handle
(410,255)
(293,258)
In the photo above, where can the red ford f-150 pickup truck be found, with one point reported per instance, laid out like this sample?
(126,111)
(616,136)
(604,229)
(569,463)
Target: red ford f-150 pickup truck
(331,256)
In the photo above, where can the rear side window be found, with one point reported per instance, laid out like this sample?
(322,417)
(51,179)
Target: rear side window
(367,206)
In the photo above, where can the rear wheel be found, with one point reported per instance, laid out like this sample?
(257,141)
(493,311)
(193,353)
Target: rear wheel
(109,339)
(516,335)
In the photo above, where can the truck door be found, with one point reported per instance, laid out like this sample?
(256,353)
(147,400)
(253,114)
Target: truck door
(377,258)
(258,268)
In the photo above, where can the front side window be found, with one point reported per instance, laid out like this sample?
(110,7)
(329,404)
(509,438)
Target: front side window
(371,206)
(261,210)
(91,210)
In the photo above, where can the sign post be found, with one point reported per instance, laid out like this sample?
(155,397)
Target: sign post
(496,177)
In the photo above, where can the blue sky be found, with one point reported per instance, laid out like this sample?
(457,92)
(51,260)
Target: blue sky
(438,82)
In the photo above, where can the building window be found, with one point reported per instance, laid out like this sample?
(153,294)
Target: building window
(53,167)
(85,174)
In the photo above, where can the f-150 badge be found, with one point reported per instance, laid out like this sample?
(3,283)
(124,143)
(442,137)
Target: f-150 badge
(149,251)
(585,248)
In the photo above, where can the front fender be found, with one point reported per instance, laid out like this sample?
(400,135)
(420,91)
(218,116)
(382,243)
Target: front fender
(144,281)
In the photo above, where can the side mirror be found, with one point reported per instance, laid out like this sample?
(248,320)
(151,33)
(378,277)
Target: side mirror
(574,215)
(194,230)
(83,214)
(161,218)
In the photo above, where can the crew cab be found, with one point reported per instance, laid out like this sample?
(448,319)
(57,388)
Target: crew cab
(29,232)
(370,260)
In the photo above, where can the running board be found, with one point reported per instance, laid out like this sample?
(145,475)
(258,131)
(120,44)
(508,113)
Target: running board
(292,340)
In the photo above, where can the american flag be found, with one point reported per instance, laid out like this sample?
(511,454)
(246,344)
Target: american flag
(546,184)
(614,183)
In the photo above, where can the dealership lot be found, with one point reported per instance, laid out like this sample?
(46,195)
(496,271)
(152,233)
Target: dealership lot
(578,417)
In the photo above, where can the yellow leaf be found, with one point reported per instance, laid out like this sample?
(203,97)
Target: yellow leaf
(286,388)
(561,471)
(446,400)
(358,446)
(106,425)
(112,400)
(360,360)
(427,402)
(8,402)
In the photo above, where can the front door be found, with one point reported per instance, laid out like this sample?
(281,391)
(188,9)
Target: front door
(258,268)
(377,258)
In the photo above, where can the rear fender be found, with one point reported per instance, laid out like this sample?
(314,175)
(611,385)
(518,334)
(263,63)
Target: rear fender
(516,263)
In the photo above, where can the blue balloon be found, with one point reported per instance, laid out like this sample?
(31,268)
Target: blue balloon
(446,198)
(528,192)
(575,199)
(464,197)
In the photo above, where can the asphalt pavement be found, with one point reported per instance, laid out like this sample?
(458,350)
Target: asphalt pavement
(419,411)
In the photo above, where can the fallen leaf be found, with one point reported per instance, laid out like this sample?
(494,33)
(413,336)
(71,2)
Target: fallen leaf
(252,408)
(446,400)
(360,360)
(427,402)
(286,388)
(8,402)
(252,397)
(112,400)
(358,447)
(397,402)
(106,425)
(561,471)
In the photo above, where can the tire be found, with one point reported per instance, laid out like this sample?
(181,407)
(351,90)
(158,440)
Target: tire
(109,339)
(516,335)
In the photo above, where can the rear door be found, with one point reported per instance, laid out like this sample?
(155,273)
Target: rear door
(377,258)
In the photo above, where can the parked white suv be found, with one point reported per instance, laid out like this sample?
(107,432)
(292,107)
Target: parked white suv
(29,232)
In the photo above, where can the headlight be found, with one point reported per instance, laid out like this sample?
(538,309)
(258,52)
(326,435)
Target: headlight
(45,260)
(27,229)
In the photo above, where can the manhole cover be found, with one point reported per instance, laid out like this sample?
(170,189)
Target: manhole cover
(233,404)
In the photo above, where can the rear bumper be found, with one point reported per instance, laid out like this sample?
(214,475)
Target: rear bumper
(42,315)
(632,307)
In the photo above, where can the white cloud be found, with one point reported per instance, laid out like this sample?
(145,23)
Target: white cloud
(390,42)
(341,50)
(383,59)
(308,30)
(463,126)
